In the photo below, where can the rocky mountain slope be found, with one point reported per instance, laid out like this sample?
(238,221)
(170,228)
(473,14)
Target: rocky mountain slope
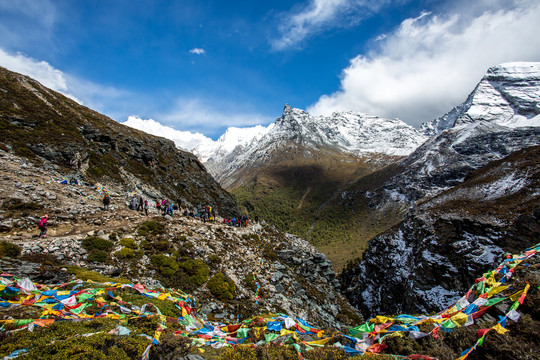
(363,190)
(498,118)
(428,260)
(468,195)
(174,251)
(44,125)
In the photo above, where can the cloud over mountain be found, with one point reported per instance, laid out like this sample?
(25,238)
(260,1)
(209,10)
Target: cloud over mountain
(430,63)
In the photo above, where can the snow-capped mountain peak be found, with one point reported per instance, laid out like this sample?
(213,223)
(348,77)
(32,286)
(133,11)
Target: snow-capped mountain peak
(346,131)
(509,95)
(230,140)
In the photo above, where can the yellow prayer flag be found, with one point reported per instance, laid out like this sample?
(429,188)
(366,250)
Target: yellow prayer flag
(320,342)
(498,328)
(258,331)
(515,296)
(431,321)
(497,290)
(381,319)
(287,332)
(459,319)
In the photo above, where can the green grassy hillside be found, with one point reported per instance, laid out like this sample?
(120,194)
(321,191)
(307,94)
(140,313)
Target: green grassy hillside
(309,198)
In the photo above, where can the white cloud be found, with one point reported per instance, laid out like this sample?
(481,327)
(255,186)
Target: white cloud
(41,71)
(183,139)
(320,15)
(197,51)
(209,116)
(431,63)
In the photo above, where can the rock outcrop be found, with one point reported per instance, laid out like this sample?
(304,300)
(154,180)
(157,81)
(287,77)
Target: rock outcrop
(428,261)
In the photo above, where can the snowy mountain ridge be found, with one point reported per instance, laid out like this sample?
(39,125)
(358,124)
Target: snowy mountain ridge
(232,138)
(296,130)
(508,95)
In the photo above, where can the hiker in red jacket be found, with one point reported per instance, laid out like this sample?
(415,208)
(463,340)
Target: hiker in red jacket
(43,226)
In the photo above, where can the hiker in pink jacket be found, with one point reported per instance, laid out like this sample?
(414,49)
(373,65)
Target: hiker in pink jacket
(43,226)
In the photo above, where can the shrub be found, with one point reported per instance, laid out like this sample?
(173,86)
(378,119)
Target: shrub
(196,270)
(128,243)
(9,249)
(96,243)
(214,259)
(85,274)
(165,265)
(162,245)
(125,253)
(222,287)
(191,274)
(151,228)
(146,245)
(98,256)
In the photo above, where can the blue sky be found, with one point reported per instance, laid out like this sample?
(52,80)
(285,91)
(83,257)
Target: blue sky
(205,66)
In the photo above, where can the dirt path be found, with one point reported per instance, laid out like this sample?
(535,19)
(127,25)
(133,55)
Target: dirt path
(303,198)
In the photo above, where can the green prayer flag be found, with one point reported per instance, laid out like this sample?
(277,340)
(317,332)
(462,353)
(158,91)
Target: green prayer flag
(22,322)
(84,296)
(449,324)
(480,341)
(514,305)
(242,332)
(80,308)
(494,301)
(367,327)
(270,336)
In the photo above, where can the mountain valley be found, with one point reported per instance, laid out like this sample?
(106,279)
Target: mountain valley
(366,236)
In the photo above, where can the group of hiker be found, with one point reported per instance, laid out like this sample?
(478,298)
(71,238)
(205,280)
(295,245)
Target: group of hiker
(240,221)
(139,204)
(166,207)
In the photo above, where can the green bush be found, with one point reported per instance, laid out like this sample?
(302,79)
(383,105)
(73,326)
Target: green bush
(162,245)
(214,259)
(191,274)
(166,265)
(196,270)
(97,243)
(85,274)
(98,256)
(128,243)
(151,228)
(9,249)
(222,287)
(146,245)
(125,253)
